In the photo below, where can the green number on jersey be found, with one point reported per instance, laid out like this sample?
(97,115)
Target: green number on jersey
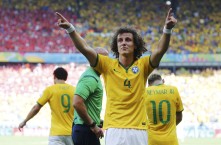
(66,102)
(127,83)
(160,113)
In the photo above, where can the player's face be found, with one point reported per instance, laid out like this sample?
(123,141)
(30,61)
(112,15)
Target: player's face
(125,44)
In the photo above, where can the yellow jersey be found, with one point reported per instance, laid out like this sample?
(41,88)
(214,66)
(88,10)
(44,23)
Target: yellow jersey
(60,99)
(125,90)
(162,102)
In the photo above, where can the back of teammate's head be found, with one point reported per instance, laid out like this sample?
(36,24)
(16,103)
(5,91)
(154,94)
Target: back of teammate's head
(153,78)
(101,51)
(60,73)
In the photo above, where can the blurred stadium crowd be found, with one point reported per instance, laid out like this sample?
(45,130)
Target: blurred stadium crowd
(30,26)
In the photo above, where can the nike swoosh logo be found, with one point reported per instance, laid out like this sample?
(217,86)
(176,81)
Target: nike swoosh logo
(116,71)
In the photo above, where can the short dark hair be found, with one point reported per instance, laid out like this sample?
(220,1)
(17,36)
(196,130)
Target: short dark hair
(154,77)
(138,42)
(60,73)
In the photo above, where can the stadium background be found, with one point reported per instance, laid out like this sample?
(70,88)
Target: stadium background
(32,45)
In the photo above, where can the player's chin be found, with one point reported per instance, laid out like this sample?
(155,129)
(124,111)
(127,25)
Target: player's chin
(124,53)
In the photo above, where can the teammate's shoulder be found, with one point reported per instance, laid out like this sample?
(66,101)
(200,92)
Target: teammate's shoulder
(49,87)
(149,87)
(72,86)
(171,87)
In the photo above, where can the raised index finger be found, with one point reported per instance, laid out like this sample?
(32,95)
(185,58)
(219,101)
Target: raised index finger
(169,12)
(60,15)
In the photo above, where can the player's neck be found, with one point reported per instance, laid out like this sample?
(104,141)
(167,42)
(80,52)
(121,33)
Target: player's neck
(59,82)
(126,61)
(157,83)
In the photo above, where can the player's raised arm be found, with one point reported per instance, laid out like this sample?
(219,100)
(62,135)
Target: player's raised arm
(78,41)
(165,39)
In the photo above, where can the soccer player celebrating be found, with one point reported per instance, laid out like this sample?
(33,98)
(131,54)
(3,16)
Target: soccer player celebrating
(125,79)
(164,110)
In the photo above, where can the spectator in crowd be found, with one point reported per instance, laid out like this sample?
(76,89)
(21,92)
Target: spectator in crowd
(190,35)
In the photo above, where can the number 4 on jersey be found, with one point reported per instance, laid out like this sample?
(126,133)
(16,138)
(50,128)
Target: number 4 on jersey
(127,83)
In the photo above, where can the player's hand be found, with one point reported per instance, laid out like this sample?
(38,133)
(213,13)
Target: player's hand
(98,131)
(170,20)
(21,125)
(62,21)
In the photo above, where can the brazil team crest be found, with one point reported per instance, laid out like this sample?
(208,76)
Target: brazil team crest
(135,69)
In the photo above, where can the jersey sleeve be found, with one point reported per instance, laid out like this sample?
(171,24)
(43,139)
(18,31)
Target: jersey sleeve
(86,86)
(102,63)
(147,67)
(44,97)
(179,104)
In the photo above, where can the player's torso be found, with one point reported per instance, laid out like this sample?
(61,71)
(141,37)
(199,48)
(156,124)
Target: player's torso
(61,100)
(122,83)
(161,108)
(92,101)
(125,88)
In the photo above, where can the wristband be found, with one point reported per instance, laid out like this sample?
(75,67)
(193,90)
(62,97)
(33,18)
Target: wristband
(70,29)
(167,31)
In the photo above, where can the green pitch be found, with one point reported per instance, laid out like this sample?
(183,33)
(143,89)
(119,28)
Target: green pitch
(24,140)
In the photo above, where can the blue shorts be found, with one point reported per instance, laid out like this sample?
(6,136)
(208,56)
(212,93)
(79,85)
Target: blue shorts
(82,135)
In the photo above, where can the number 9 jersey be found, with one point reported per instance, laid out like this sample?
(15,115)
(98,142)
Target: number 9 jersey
(60,99)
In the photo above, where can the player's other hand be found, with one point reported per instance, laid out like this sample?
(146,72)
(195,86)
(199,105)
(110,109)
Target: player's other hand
(170,20)
(98,131)
(21,125)
(62,21)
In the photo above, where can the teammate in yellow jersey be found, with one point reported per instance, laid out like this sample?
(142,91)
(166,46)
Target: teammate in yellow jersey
(60,98)
(125,79)
(164,110)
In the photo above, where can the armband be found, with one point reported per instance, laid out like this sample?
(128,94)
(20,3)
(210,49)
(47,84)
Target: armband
(167,31)
(70,29)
